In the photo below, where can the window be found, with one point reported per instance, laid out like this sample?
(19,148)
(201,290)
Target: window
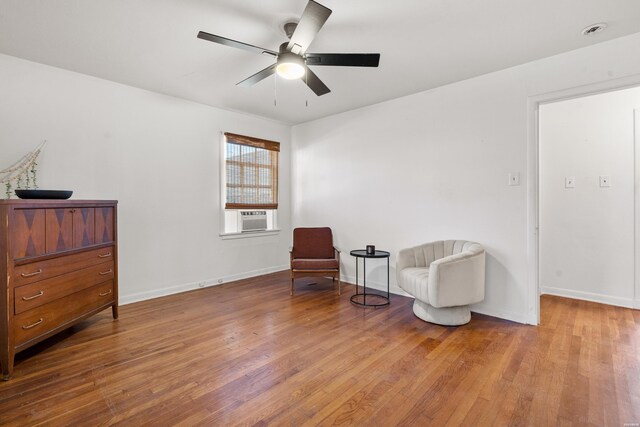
(250,181)
(251,169)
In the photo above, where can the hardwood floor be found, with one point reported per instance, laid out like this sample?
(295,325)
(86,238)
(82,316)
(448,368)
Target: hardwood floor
(246,353)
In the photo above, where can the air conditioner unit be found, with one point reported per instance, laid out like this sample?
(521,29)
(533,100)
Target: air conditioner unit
(253,221)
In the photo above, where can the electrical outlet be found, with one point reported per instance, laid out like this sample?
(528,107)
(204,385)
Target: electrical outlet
(569,182)
(219,280)
(201,284)
(514,178)
(605,181)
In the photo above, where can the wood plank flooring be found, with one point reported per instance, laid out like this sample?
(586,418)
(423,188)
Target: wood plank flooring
(246,353)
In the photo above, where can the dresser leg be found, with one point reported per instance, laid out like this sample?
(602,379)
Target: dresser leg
(6,360)
(114,311)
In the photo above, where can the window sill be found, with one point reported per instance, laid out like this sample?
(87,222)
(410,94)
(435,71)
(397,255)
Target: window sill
(229,236)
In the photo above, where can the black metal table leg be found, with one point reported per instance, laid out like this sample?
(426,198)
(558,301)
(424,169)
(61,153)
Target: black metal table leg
(388,294)
(356,276)
(364,279)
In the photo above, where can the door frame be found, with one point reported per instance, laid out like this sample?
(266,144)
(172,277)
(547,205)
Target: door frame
(533,177)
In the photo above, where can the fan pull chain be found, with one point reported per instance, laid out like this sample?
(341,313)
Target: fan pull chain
(306,79)
(275,90)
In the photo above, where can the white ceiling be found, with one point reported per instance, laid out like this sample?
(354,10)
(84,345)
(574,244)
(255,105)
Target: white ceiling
(152,44)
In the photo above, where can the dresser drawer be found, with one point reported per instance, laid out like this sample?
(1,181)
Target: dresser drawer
(45,291)
(41,320)
(36,271)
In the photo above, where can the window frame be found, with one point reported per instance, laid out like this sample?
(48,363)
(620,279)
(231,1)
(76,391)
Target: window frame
(254,166)
(223,198)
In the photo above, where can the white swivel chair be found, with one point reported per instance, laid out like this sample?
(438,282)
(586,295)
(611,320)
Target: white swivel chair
(444,277)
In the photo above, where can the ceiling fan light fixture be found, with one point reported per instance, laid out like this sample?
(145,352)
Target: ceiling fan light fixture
(290,66)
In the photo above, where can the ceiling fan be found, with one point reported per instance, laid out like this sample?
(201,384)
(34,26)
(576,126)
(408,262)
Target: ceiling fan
(292,59)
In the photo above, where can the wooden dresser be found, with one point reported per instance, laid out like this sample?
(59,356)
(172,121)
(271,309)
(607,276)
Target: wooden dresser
(58,266)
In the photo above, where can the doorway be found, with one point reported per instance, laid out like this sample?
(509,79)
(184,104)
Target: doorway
(587,197)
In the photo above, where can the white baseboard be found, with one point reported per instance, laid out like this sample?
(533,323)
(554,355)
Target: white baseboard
(476,308)
(171,290)
(589,296)
(379,286)
(480,308)
(156,293)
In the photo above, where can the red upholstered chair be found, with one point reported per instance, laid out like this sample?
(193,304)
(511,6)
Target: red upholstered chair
(313,254)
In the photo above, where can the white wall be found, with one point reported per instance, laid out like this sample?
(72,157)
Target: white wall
(587,232)
(158,155)
(434,165)
(636,114)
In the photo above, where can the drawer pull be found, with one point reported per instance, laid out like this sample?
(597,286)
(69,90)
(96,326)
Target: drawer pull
(39,294)
(35,273)
(104,294)
(107,255)
(104,273)
(33,324)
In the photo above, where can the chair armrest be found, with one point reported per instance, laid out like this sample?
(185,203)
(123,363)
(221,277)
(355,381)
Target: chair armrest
(337,249)
(457,279)
(405,259)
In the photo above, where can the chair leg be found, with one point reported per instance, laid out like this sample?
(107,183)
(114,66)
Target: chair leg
(291,290)
(338,283)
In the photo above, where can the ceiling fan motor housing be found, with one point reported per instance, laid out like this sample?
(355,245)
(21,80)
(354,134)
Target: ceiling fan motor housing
(283,48)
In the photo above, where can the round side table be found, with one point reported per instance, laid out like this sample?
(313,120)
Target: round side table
(374,299)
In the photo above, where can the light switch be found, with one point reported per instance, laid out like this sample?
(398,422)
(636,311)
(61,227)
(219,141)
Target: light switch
(514,178)
(605,181)
(569,182)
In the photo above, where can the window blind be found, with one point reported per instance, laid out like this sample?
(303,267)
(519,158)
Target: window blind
(251,172)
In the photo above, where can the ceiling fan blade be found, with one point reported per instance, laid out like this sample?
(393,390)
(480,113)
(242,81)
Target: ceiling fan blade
(315,84)
(234,43)
(312,20)
(260,75)
(344,59)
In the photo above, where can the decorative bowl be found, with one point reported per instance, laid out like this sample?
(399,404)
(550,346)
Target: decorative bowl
(44,194)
